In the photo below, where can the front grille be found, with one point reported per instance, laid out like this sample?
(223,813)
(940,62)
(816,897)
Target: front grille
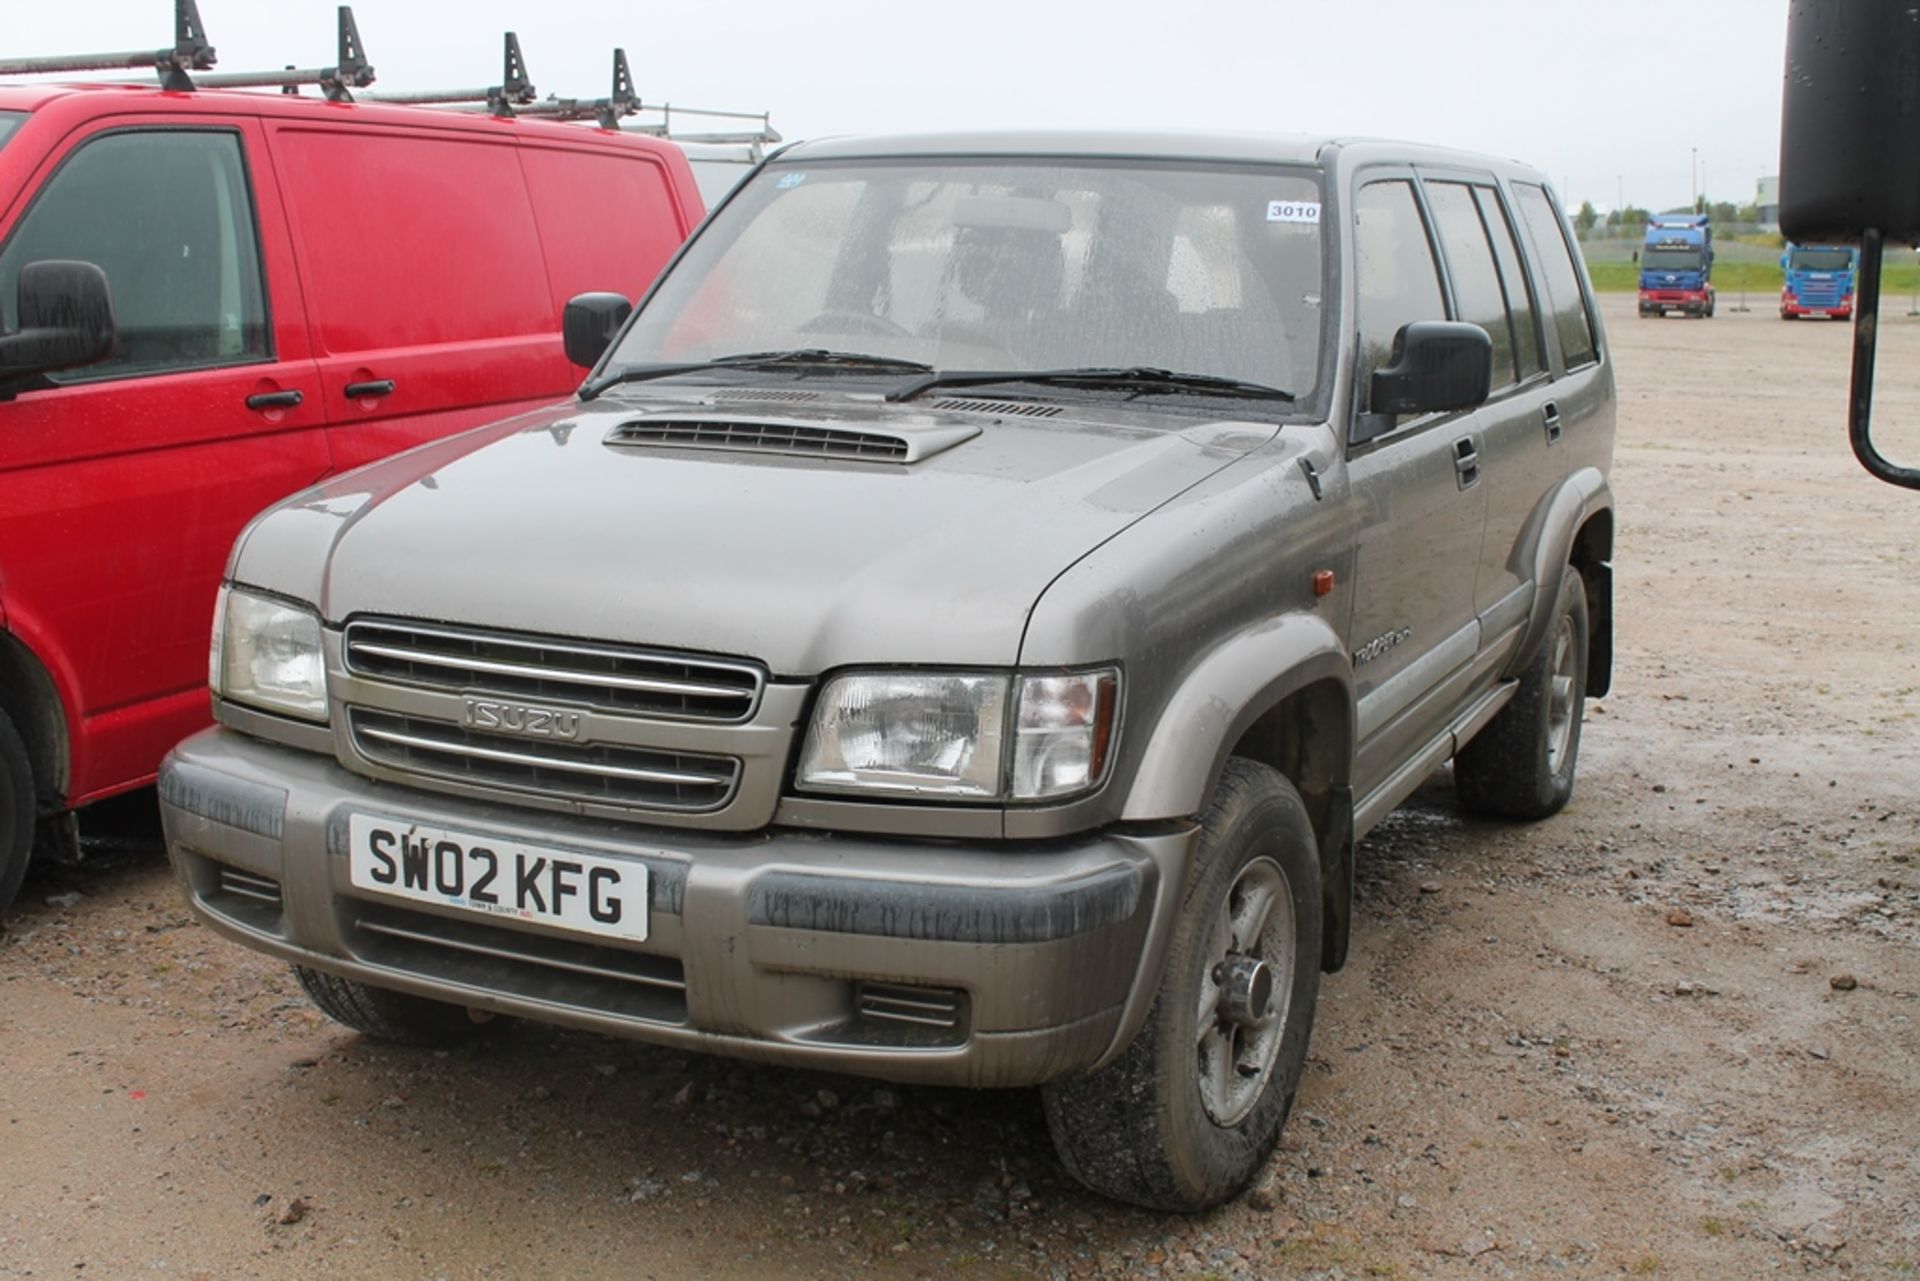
(260,889)
(589,976)
(576,673)
(598,772)
(763,438)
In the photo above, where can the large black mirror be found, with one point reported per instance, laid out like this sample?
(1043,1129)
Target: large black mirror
(66,319)
(1850,161)
(1437,366)
(590,324)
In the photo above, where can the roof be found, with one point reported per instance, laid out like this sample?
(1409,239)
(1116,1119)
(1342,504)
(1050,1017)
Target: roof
(1267,148)
(1231,147)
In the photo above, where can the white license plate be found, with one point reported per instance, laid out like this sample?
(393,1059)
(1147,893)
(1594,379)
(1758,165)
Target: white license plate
(589,893)
(1815,315)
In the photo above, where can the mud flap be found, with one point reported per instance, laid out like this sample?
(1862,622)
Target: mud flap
(1336,880)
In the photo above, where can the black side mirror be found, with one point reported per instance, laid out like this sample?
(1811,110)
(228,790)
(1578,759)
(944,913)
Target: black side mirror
(590,324)
(1436,366)
(66,319)
(1850,162)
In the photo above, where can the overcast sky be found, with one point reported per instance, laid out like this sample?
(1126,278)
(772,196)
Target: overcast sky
(1605,97)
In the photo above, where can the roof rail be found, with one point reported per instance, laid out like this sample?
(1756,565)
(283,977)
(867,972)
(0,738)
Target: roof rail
(190,52)
(513,96)
(514,89)
(350,69)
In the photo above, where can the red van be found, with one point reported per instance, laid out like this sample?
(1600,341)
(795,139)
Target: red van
(297,287)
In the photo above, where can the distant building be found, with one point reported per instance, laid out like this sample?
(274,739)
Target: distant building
(1766,195)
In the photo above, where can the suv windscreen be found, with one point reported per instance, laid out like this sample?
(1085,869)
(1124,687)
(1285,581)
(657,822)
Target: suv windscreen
(1041,264)
(9,121)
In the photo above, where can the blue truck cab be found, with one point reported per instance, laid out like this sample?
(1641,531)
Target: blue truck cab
(1819,281)
(1676,266)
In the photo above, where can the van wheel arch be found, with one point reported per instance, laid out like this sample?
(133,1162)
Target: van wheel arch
(31,702)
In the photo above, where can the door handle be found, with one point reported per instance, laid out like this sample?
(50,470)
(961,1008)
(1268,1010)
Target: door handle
(1551,416)
(275,399)
(1466,462)
(373,387)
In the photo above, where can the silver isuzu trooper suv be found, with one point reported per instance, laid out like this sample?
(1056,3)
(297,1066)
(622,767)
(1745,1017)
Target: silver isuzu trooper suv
(958,633)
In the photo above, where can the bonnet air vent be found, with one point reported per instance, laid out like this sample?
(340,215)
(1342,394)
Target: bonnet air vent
(768,394)
(804,440)
(1009,408)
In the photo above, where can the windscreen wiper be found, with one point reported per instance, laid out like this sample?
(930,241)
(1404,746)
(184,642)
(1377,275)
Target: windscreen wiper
(1137,378)
(802,357)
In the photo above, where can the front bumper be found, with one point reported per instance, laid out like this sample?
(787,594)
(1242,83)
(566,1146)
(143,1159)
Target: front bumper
(1691,301)
(1032,961)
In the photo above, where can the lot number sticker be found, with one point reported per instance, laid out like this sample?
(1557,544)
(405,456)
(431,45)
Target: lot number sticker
(1293,211)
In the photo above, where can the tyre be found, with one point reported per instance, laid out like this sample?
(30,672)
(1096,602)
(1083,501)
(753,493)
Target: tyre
(17,804)
(1187,1116)
(384,1015)
(1521,764)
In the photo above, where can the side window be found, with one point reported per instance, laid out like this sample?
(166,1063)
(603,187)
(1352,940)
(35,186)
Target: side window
(1569,306)
(168,216)
(1513,279)
(1396,279)
(1476,280)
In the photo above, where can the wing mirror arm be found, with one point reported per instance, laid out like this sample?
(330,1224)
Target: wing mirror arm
(1866,331)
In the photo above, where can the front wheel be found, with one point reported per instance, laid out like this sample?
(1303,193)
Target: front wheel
(16,811)
(1188,1115)
(386,1015)
(1521,765)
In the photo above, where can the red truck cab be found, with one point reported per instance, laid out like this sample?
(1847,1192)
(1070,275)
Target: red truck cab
(298,286)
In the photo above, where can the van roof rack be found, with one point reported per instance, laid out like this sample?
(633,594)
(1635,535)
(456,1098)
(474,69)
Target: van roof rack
(191,54)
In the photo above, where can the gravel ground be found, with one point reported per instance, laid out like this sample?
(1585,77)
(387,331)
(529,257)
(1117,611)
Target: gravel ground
(1668,1033)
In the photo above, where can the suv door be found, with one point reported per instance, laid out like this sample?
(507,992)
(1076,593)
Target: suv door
(1520,450)
(1421,503)
(124,484)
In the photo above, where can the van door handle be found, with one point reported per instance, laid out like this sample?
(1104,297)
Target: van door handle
(1551,416)
(374,387)
(275,399)
(1466,462)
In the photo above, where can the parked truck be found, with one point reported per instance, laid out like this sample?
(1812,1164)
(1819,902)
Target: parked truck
(1819,281)
(1676,266)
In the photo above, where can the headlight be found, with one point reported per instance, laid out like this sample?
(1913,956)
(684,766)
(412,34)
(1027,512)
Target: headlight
(267,654)
(945,735)
(921,735)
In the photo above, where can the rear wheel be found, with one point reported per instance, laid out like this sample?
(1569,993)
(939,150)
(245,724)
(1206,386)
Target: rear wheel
(1188,1115)
(16,811)
(385,1015)
(1521,765)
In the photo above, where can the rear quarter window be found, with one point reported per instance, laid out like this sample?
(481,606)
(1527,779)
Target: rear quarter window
(410,240)
(1565,299)
(10,121)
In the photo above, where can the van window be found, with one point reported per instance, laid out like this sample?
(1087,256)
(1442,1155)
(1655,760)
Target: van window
(1396,280)
(608,220)
(411,240)
(1562,277)
(1476,280)
(9,121)
(1513,280)
(167,214)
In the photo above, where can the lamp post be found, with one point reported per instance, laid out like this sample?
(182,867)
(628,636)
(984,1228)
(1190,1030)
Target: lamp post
(1693,171)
